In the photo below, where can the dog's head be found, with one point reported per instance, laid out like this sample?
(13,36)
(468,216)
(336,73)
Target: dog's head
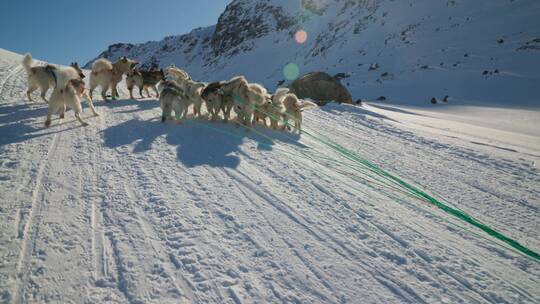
(124,64)
(78,85)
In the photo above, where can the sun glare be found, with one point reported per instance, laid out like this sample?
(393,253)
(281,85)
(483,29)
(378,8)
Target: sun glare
(301,36)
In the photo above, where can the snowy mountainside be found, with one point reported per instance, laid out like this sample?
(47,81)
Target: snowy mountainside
(475,52)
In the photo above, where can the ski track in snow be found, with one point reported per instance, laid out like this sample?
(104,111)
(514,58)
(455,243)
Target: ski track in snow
(129,210)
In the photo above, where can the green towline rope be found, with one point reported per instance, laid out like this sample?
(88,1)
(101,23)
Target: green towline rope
(414,191)
(428,198)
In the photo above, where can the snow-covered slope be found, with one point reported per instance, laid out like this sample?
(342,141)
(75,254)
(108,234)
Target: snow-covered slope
(129,210)
(475,52)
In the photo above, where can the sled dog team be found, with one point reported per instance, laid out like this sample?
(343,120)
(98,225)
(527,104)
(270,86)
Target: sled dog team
(176,90)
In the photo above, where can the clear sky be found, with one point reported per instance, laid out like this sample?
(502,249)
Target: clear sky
(62,31)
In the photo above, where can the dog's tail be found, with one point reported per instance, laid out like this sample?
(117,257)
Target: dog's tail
(306,105)
(101,65)
(279,96)
(27,63)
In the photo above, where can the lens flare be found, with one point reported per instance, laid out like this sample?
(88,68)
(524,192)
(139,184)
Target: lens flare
(291,71)
(301,36)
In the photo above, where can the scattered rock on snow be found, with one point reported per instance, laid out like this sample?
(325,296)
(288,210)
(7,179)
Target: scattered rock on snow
(373,66)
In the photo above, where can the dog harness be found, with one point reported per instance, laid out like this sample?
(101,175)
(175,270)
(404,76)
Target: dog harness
(48,68)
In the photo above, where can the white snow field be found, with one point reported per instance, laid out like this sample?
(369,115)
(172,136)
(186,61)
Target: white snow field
(130,210)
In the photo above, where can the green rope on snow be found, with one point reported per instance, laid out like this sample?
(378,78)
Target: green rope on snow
(427,198)
(415,191)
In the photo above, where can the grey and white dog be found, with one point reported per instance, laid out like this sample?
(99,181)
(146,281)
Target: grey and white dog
(172,99)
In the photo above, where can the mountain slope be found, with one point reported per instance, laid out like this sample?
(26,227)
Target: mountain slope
(132,210)
(475,52)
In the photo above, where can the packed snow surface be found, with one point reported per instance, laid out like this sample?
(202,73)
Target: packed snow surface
(130,210)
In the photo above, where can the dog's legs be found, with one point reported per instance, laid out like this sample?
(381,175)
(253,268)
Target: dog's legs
(31,88)
(184,116)
(155,90)
(44,93)
(78,116)
(130,89)
(166,112)
(104,90)
(213,111)
(52,109)
(195,110)
(62,111)
(114,91)
(147,92)
(227,112)
(48,121)
(91,104)
(141,92)
(285,122)
(93,85)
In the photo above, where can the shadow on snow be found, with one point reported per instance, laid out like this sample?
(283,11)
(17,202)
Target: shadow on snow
(198,142)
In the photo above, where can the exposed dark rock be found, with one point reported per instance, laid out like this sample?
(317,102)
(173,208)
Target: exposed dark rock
(320,87)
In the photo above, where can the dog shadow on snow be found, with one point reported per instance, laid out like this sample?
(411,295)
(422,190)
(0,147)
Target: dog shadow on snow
(22,122)
(141,104)
(199,142)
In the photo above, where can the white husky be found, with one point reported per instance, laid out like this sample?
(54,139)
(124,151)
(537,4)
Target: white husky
(273,109)
(45,77)
(293,108)
(246,96)
(69,96)
(107,75)
(193,91)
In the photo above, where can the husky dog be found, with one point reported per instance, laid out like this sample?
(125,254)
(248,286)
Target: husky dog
(44,77)
(214,99)
(177,74)
(172,98)
(193,91)
(70,96)
(245,96)
(293,108)
(107,75)
(273,109)
(144,80)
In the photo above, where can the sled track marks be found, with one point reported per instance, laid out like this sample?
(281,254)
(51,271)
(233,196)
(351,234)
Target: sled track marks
(14,71)
(31,227)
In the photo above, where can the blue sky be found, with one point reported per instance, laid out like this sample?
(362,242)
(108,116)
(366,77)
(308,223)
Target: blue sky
(62,31)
